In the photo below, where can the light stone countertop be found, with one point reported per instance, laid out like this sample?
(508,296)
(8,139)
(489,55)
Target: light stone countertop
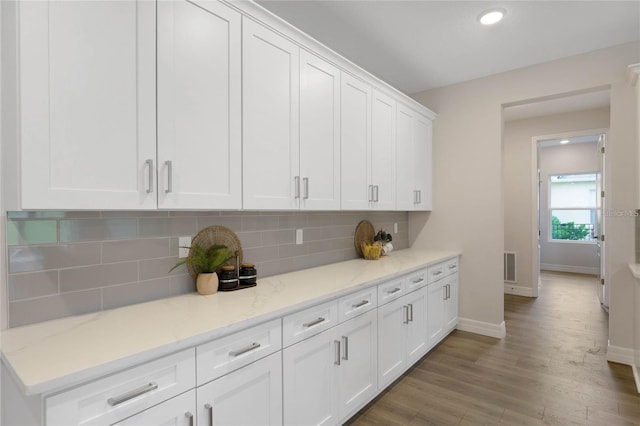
(49,356)
(635,269)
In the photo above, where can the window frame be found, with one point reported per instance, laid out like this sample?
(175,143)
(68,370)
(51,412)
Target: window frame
(550,209)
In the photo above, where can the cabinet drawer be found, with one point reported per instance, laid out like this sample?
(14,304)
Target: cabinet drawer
(113,398)
(297,327)
(357,303)
(391,290)
(451,266)
(416,280)
(221,356)
(436,272)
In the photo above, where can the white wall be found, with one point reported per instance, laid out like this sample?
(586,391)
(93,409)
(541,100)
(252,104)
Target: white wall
(468,188)
(565,256)
(518,161)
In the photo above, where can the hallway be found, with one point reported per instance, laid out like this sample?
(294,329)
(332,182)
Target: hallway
(549,369)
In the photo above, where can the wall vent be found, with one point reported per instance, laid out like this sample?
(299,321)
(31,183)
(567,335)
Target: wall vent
(510,266)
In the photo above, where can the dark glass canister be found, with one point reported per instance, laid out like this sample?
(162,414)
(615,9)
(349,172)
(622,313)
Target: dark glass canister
(248,274)
(228,279)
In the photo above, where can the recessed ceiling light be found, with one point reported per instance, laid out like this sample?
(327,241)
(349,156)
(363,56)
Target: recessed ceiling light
(491,16)
(564,141)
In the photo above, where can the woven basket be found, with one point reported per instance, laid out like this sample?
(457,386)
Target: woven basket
(217,235)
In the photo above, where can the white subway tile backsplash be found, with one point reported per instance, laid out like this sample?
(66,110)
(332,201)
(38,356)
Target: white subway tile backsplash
(130,253)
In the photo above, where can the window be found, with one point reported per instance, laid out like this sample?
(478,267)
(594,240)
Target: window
(572,207)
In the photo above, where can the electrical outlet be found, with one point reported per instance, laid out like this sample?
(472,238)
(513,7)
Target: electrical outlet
(184,242)
(395,228)
(298,236)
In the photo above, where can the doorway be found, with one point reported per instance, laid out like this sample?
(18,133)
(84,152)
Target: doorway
(568,234)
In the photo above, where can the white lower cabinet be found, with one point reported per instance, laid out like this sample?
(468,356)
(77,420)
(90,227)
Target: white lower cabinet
(435,311)
(328,377)
(451,303)
(251,395)
(402,334)
(178,411)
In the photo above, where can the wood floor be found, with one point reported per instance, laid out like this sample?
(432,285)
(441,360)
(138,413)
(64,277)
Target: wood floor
(549,369)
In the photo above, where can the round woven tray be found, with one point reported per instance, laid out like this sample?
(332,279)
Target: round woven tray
(217,235)
(364,233)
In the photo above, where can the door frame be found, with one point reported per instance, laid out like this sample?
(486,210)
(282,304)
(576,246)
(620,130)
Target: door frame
(535,194)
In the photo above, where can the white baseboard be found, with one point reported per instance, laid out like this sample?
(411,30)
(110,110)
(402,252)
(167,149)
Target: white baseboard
(568,268)
(636,377)
(483,328)
(518,290)
(620,355)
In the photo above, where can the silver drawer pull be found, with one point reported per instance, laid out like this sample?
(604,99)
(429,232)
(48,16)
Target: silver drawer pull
(437,272)
(314,322)
(132,394)
(419,280)
(149,164)
(249,348)
(361,304)
(395,290)
(453,266)
(209,408)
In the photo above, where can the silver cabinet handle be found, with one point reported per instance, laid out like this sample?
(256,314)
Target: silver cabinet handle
(370,192)
(190,417)
(444,288)
(419,196)
(393,291)
(305,181)
(209,408)
(419,280)
(452,267)
(345,342)
(249,348)
(361,304)
(314,322)
(116,400)
(297,182)
(149,164)
(337,353)
(410,319)
(377,188)
(169,176)
(405,314)
(448,291)
(436,273)
(415,197)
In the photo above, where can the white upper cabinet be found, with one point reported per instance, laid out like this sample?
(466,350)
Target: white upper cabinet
(383,152)
(413,160)
(87,105)
(270,148)
(319,133)
(199,105)
(355,109)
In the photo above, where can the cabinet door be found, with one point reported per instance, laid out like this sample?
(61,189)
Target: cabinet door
(310,379)
(435,311)
(355,138)
(392,322)
(422,158)
(359,362)
(87,104)
(383,151)
(406,161)
(319,133)
(251,395)
(178,411)
(270,93)
(451,307)
(199,111)
(417,330)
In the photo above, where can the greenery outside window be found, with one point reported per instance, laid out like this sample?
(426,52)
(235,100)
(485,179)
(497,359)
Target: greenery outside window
(572,207)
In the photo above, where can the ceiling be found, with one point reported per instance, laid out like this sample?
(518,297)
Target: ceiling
(420,45)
